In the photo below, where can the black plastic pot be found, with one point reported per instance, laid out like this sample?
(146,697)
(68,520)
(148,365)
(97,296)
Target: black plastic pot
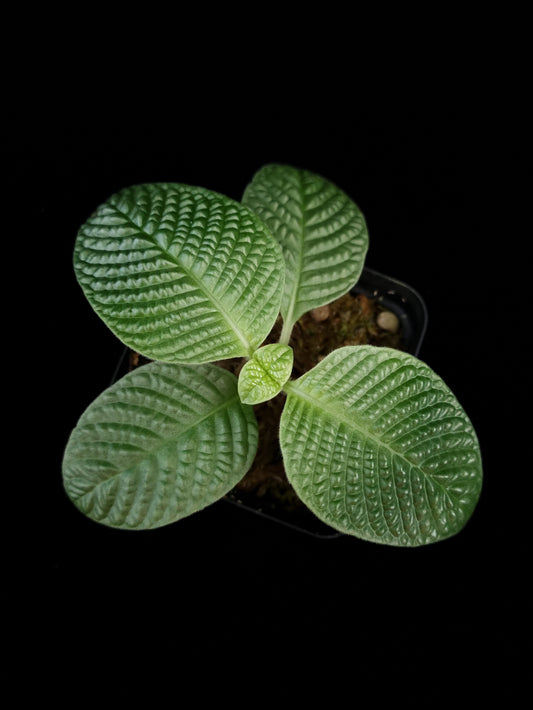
(402,300)
(411,310)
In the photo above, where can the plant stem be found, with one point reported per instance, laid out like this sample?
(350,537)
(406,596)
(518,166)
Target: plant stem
(286,332)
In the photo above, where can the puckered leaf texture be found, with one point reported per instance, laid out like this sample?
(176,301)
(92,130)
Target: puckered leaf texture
(378,446)
(161,443)
(180,273)
(322,232)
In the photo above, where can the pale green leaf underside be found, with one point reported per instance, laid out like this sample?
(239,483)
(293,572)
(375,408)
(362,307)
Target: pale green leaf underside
(180,273)
(377,446)
(264,375)
(321,231)
(161,443)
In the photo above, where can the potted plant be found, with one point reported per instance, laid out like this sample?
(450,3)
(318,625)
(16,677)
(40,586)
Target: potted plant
(373,441)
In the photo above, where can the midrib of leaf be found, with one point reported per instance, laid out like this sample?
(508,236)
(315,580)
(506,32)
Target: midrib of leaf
(355,422)
(288,322)
(198,284)
(165,441)
(269,376)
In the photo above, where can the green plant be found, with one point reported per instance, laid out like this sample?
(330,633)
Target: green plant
(374,442)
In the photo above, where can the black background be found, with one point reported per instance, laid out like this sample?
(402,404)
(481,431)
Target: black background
(225,599)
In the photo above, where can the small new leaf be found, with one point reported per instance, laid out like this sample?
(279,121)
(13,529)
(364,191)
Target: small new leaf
(264,375)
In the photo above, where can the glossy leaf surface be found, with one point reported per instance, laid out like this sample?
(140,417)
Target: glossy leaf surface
(264,375)
(378,447)
(180,273)
(161,443)
(321,230)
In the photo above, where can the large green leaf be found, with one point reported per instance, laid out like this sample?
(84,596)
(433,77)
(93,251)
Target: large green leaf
(161,443)
(322,233)
(180,273)
(377,446)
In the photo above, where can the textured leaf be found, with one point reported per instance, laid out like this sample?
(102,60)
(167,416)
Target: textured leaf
(264,375)
(180,273)
(322,233)
(161,443)
(377,446)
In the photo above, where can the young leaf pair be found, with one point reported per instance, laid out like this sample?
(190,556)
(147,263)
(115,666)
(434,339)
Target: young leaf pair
(373,441)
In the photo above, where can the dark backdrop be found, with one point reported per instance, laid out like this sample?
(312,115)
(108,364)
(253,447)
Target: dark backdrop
(225,594)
